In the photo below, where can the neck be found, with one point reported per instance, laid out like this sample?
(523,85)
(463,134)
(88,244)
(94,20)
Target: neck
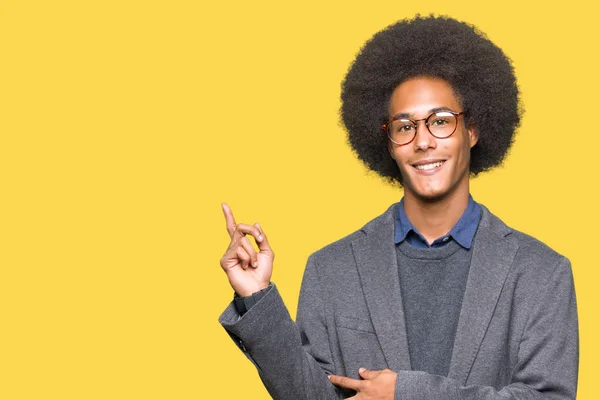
(434,218)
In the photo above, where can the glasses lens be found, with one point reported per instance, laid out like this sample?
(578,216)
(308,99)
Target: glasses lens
(441,124)
(401,131)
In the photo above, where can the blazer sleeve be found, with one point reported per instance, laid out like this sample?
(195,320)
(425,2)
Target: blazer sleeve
(293,360)
(548,354)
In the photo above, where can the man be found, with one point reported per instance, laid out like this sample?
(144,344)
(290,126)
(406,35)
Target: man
(436,298)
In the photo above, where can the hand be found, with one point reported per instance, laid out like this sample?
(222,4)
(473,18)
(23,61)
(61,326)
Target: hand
(376,384)
(247,270)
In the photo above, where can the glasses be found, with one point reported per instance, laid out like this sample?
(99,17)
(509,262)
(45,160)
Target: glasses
(440,124)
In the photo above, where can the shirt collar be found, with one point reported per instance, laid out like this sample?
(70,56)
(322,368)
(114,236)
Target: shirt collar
(462,232)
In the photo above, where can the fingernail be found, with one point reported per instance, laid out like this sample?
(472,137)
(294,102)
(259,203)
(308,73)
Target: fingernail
(361,370)
(328,376)
(255,264)
(260,238)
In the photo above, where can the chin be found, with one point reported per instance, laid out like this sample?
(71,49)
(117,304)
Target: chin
(433,188)
(429,194)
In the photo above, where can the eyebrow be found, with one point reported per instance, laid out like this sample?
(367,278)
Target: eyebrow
(433,110)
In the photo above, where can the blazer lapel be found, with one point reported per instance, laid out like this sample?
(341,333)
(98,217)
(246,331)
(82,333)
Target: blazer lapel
(375,256)
(492,257)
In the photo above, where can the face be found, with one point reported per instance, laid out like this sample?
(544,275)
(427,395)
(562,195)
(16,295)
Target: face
(431,168)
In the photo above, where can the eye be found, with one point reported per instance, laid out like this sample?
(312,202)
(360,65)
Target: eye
(404,128)
(440,121)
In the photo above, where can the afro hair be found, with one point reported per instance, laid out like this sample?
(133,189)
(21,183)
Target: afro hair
(480,74)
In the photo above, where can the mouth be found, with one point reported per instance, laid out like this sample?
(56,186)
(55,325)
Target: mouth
(428,167)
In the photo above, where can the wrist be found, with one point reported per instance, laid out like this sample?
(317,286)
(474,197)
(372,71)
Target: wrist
(250,290)
(244,304)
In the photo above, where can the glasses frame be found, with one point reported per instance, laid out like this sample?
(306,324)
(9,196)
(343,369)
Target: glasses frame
(385,127)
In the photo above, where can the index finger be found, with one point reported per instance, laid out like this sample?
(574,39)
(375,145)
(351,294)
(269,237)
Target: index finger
(229,220)
(346,382)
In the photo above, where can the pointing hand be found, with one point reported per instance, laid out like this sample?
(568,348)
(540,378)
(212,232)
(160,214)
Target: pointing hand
(248,271)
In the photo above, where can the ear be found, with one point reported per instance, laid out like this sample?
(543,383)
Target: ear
(473,134)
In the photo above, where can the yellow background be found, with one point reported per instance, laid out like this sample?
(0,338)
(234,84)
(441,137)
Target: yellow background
(125,124)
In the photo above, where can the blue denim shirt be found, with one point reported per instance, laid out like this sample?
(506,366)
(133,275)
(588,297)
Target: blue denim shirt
(463,232)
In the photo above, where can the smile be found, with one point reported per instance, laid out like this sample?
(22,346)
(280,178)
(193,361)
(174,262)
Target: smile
(427,167)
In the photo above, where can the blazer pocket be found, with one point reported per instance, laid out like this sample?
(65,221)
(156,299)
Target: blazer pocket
(343,321)
(359,345)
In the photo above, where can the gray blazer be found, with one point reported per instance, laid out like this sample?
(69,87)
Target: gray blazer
(517,335)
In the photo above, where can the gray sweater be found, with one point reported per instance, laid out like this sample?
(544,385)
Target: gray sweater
(432,282)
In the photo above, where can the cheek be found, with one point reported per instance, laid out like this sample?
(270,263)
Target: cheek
(462,152)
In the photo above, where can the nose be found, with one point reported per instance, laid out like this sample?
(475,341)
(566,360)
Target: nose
(423,138)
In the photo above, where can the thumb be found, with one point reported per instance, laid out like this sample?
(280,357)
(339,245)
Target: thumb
(367,374)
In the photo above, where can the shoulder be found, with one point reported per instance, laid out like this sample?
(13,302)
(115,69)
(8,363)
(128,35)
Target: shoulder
(342,248)
(530,252)
(537,276)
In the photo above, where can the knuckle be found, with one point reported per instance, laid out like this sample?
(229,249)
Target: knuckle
(241,254)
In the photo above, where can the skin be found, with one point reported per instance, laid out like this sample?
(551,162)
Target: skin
(433,202)
(375,385)
(248,271)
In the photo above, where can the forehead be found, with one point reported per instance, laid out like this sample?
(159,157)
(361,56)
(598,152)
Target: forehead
(417,96)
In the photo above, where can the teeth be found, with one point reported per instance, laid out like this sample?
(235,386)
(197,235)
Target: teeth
(425,167)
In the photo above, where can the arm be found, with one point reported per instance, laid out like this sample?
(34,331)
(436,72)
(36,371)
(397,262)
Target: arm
(293,360)
(292,364)
(547,358)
